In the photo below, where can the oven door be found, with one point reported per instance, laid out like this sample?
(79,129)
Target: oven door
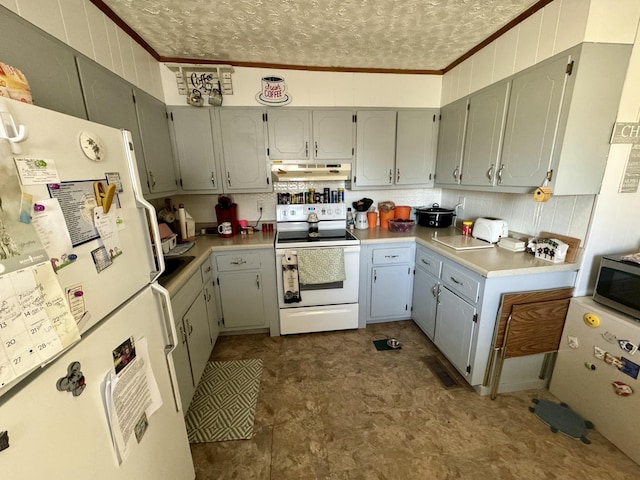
(319,295)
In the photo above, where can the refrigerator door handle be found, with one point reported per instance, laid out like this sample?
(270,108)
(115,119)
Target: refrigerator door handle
(172,338)
(149,210)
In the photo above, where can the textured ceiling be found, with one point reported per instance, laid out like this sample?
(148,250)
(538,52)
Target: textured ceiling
(369,34)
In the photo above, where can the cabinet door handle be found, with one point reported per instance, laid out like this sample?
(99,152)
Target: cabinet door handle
(490,173)
(316,147)
(454,280)
(500,174)
(390,175)
(239,262)
(153,179)
(306,149)
(398,175)
(456,173)
(184,334)
(189,325)
(375,276)
(391,256)
(425,262)
(208,269)
(213,179)
(433,291)
(229,178)
(258,281)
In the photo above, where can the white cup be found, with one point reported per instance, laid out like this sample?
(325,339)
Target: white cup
(273,89)
(225,228)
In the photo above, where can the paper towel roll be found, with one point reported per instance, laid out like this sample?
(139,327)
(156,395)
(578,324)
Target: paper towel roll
(182,220)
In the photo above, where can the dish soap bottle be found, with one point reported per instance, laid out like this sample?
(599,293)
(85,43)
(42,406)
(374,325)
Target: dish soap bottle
(312,220)
(350,221)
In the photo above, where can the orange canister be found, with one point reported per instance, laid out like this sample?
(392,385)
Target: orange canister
(372,219)
(402,211)
(385,217)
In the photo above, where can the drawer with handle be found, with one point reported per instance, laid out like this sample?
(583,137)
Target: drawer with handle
(385,256)
(461,282)
(429,262)
(236,262)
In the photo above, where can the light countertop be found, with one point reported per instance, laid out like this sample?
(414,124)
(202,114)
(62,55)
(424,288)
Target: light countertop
(206,244)
(488,262)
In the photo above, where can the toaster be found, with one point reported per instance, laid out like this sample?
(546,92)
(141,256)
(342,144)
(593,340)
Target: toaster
(490,229)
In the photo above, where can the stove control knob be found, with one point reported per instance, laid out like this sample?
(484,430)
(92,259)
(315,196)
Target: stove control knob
(338,211)
(293,213)
(329,211)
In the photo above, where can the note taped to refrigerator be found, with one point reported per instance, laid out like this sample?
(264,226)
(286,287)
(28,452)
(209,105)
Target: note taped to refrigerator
(46,219)
(36,171)
(35,321)
(77,200)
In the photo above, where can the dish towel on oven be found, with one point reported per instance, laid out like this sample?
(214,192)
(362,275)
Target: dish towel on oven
(290,284)
(321,265)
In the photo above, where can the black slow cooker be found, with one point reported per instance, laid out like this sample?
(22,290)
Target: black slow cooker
(435,216)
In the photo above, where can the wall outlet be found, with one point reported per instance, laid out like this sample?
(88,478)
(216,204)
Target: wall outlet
(461,202)
(260,205)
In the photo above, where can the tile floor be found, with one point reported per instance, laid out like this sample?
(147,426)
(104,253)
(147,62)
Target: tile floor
(332,407)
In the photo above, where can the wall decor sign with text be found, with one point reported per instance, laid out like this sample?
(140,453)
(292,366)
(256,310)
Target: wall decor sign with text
(629,133)
(273,92)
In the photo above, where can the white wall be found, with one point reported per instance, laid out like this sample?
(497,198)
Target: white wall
(81,25)
(326,89)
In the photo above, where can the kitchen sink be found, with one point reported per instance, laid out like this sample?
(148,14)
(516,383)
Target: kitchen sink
(173,266)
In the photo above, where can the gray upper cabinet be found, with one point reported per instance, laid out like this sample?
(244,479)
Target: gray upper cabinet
(333,133)
(194,150)
(532,119)
(156,143)
(303,134)
(109,101)
(375,148)
(416,141)
(244,150)
(559,118)
(289,133)
(483,138)
(48,64)
(453,118)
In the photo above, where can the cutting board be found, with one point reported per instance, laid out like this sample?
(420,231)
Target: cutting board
(574,244)
(462,242)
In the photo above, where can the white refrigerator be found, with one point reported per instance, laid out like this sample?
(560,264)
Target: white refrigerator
(596,371)
(54,174)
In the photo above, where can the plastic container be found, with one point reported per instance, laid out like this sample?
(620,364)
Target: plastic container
(385,217)
(372,219)
(402,212)
(401,226)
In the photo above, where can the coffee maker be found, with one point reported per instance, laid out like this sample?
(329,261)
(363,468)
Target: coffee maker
(227,211)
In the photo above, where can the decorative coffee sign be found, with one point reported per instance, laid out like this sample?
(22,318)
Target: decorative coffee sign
(274,92)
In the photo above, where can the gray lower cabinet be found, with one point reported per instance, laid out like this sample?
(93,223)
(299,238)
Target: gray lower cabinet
(389,281)
(245,290)
(194,343)
(48,64)
(457,309)
(426,284)
(209,294)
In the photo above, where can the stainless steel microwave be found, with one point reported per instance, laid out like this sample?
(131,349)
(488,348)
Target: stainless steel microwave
(618,285)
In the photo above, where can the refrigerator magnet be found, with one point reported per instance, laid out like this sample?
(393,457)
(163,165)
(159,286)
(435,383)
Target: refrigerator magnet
(591,319)
(629,368)
(91,146)
(609,337)
(627,346)
(622,389)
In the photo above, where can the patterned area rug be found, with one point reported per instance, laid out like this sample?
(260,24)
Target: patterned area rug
(224,405)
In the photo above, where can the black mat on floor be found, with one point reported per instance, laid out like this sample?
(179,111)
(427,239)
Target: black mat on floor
(442,373)
(383,345)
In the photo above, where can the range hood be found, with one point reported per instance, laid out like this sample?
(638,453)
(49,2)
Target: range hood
(307,172)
